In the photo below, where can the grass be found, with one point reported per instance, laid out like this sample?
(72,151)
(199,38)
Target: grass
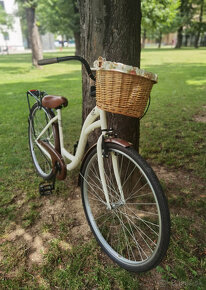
(171,140)
(170,135)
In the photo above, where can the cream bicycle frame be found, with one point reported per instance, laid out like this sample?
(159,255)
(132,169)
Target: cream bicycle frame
(90,124)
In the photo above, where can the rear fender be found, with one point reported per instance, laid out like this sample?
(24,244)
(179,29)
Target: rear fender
(56,158)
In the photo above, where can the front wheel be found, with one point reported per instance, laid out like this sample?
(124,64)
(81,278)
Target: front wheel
(135,232)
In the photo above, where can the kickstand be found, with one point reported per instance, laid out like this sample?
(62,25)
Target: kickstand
(47,188)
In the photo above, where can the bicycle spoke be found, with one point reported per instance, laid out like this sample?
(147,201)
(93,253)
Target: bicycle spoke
(95,195)
(142,220)
(130,197)
(137,243)
(141,233)
(134,239)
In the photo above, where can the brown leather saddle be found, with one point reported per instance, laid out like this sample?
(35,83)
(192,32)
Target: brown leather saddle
(54,102)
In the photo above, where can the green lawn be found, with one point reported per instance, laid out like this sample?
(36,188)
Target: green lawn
(171,140)
(169,133)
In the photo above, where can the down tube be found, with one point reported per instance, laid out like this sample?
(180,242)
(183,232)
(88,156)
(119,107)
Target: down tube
(89,125)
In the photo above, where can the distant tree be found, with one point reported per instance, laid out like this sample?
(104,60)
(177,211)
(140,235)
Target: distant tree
(157,17)
(34,38)
(200,25)
(76,27)
(190,21)
(183,19)
(60,17)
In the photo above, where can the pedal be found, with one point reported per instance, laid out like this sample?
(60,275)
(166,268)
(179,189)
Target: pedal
(46,189)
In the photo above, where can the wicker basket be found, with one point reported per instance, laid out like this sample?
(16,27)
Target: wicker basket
(122,93)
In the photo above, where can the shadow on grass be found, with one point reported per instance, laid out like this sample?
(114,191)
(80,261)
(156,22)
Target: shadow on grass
(13,58)
(14,70)
(64,81)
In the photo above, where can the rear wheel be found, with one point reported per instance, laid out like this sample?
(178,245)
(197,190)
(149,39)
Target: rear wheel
(39,118)
(135,231)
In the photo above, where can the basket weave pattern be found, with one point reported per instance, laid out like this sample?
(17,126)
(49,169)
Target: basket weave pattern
(122,93)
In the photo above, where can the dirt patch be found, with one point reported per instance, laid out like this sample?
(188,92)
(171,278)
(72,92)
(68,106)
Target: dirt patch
(39,249)
(164,174)
(201,117)
(81,228)
(180,179)
(69,211)
(55,212)
(184,191)
(174,181)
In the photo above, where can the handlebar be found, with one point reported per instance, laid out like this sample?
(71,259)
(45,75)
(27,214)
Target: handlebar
(67,58)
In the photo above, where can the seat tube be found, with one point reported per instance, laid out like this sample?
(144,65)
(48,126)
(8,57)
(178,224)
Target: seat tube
(61,138)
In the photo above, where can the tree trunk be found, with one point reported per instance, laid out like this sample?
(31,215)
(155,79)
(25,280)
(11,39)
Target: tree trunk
(111,29)
(187,36)
(77,43)
(62,42)
(179,38)
(34,36)
(197,37)
(160,40)
(77,36)
(144,38)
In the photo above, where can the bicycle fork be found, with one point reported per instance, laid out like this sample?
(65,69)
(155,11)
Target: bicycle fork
(100,157)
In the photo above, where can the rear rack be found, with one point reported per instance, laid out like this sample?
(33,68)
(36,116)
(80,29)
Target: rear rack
(37,95)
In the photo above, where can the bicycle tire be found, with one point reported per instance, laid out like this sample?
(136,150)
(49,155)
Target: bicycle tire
(38,119)
(122,234)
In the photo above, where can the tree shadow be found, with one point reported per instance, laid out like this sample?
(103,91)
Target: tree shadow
(14,58)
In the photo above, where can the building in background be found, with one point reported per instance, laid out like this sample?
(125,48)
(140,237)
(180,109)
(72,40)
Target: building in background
(48,42)
(11,40)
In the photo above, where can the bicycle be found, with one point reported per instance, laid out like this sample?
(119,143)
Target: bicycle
(122,198)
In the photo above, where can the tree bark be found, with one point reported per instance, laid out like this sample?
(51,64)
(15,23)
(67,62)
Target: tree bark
(62,42)
(111,29)
(77,36)
(179,38)
(187,36)
(197,37)
(34,37)
(160,40)
(77,43)
(144,38)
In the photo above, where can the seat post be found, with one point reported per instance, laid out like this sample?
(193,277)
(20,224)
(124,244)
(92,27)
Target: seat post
(61,138)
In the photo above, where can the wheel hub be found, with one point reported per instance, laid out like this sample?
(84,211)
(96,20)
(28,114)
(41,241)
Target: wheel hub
(119,203)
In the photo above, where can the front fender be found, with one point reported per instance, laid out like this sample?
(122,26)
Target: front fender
(118,141)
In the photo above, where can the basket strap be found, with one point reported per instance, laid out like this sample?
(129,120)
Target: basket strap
(145,112)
